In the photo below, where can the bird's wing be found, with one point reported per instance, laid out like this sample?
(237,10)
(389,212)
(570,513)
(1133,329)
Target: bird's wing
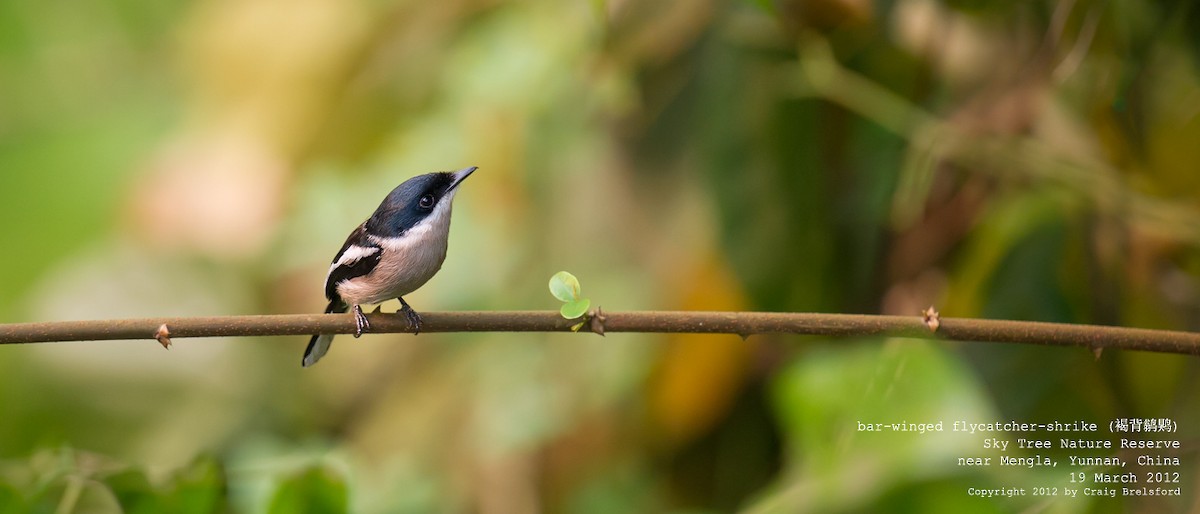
(356,258)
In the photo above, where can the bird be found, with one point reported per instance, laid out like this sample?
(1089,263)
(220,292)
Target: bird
(391,254)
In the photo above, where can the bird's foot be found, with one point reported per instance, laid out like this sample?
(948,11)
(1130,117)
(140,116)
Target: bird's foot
(361,325)
(414,319)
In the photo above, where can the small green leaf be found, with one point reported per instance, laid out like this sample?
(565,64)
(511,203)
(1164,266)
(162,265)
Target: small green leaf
(577,326)
(575,309)
(564,286)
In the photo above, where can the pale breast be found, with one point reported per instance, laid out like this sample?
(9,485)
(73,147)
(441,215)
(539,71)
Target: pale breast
(406,264)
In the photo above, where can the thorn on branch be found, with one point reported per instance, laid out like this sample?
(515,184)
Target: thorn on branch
(596,321)
(1097,350)
(932,319)
(163,335)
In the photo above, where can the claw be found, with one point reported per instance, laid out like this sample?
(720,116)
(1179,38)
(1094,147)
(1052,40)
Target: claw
(361,325)
(414,319)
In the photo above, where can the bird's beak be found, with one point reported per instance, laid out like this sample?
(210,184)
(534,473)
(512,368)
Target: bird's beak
(461,175)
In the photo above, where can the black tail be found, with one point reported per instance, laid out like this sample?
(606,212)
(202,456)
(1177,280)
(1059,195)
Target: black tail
(319,344)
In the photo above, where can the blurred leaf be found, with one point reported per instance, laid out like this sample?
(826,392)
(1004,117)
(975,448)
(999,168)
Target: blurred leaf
(46,499)
(199,489)
(93,482)
(932,496)
(1005,224)
(11,501)
(316,491)
(75,494)
(95,498)
(822,398)
(565,287)
(575,309)
(1026,283)
(134,492)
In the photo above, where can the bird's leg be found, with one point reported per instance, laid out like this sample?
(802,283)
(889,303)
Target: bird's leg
(361,325)
(414,319)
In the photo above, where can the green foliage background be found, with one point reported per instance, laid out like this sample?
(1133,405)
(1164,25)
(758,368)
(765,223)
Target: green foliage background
(1021,160)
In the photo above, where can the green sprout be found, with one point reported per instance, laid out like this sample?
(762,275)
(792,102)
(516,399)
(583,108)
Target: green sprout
(565,287)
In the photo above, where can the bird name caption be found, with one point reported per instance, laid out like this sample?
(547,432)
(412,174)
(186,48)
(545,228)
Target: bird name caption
(1128,457)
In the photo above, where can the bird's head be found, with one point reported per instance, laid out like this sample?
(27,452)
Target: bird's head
(418,200)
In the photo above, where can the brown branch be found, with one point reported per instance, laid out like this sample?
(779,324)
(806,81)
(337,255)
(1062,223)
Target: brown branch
(1093,337)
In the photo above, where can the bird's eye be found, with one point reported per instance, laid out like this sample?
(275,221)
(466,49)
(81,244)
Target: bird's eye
(426,202)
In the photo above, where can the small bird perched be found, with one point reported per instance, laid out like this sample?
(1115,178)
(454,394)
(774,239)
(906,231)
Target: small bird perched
(399,248)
